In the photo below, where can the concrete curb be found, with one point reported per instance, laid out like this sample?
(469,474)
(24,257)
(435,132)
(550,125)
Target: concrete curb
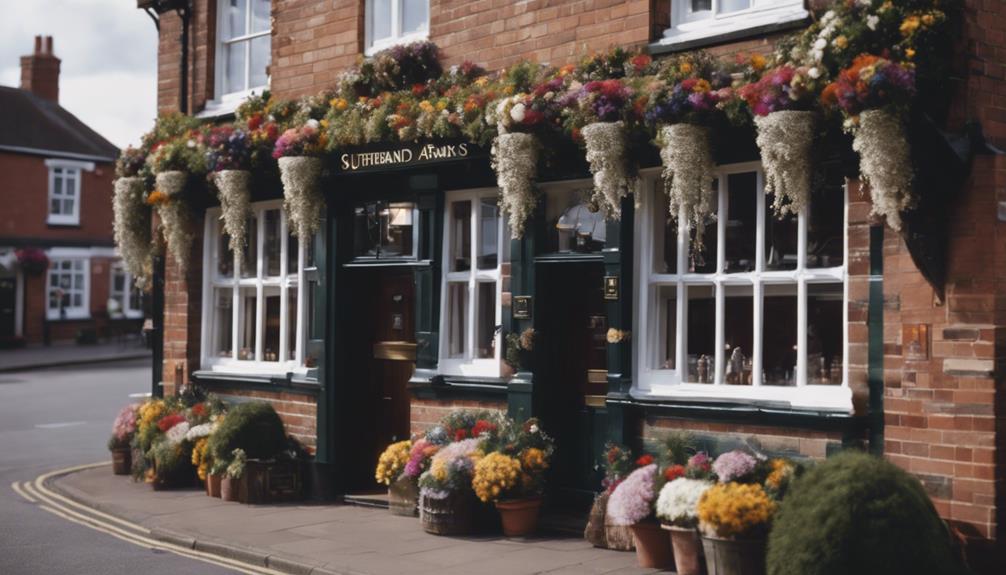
(76,361)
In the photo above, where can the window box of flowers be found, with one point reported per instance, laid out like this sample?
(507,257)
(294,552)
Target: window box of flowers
(122,437)
(677,509)
(631,505)
(512,476)
(734,517)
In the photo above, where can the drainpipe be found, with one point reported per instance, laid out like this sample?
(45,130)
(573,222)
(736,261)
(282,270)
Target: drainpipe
(185,13)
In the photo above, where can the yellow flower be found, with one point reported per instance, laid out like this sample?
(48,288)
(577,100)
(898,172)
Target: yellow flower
(441,105)
(734,509)
(910,53)
(534,459)
(482,81)
(781,469)
(339,103)
(841,42)
(702,86)
(392,462)
(324,124)
(426,106)
(686,68)
(928,19)
(495,474)
(909,25)
(758,62)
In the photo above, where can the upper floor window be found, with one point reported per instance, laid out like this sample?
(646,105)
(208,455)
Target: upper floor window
(244,47)
(127,298)
(471,294)
(391,22)
(64,191)
(693,20)
(758,313)
(68,288)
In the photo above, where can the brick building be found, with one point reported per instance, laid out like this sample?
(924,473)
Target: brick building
(858,346)
(57,183)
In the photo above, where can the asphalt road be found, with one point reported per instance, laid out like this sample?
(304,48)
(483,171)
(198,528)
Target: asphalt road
(56,418)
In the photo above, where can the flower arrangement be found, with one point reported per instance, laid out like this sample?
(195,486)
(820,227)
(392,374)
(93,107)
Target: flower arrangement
(201,459)
(236,466)
(781,473)
(632,500)
(228,156)
(466,424)
(618,464)
(32,260)
(131,163)
(496,476)
(297,150)
(392,462)
(871,83)
(515,161)
(734,465)
(678,501)
(124,427)
(131,222)
(699,466)
(517,343)
(420,454)
(305,140)
(451,469)
(733,510)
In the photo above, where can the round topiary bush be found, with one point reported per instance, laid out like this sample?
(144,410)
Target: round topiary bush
(254,427)
(856,513)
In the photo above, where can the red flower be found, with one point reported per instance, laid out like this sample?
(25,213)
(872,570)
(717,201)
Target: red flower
(199,409)
(460,434)
(169,421)
(255,121)
(641,61)
(482,426)
(418,89)
(673,472)
(644,460)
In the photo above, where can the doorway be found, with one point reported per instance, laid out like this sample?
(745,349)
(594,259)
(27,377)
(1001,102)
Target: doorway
(8,308)
(571,374)
(381,355)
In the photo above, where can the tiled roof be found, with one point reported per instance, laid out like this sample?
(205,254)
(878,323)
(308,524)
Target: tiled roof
(33,125)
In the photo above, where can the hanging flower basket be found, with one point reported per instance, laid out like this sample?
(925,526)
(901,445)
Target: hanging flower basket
(131,224)
(786,140)
(885,163)
(607,152)
(688,173)
(175,215)
(515,160)
(302,197)
(33,261)
(234,187)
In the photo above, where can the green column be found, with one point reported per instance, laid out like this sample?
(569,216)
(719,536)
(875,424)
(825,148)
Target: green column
(618,257)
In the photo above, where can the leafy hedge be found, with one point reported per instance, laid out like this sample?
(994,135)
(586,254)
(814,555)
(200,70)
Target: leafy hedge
(254,427)
(860,514)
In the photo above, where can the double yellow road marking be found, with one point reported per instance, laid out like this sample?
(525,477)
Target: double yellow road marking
(38,493)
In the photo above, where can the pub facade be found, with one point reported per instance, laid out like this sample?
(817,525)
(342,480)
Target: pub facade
(800,335)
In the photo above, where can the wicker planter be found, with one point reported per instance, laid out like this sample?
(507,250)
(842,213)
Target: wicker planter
(451,515)
(519,516)
(213,485)
(617,537)
(403,497)
(271,482)
(594,532)
(653,546)
(230,488)
(687,550)
(122,461)
(734,556)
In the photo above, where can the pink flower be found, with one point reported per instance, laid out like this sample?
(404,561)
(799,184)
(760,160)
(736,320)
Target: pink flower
(632,501)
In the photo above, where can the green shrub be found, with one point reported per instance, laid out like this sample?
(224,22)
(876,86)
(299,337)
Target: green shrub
(253,427)
(859,514)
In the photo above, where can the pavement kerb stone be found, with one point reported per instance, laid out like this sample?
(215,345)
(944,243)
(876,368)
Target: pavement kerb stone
(74,361)
(175,538)
(231,551)
(292,565)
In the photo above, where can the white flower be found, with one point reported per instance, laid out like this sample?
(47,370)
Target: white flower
(517,112)
(201,430)
(814,73)
(864,2)
(820,44)
(679,500)
(871,21)
(885,163)
(190,143)
(313,124)
(828,16)
(515,161)
(688,173)
(176,434)
(607,148)
(533,429)
(786,141)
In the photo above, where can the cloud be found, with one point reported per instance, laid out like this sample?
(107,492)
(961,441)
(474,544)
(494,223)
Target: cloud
(108,50)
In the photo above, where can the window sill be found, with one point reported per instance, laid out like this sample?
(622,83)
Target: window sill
(692,35)
(227,105)
(61,223)
(84,316)
(260,381)
(812,398)
(392,42)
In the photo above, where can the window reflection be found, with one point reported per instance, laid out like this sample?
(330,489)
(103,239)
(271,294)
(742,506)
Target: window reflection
(272,242)
(701,333)
(271,325)
(741,228)
(486,321)
(667,302)
(666,249)
(780,238)
(779,335)
(457,316)
(384,229)
(248,329)
(824,334)
(825,238)
(702,257)
(461,236)
(488,234)
(738,322)
(249,261)
(223,322)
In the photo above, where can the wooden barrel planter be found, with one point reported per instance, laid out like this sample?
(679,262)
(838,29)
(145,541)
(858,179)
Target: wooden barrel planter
(403,497)
(271,481)
(451,515)
(122,461)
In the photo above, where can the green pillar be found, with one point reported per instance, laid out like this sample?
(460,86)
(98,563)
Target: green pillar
(618,258)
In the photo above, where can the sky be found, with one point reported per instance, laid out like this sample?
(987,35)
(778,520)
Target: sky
(108,49)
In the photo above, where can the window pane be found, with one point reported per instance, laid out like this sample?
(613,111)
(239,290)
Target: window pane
(135,299)
(742,222)
(779,335)
(738,333)
(415,15)
(314,329)
(780,239)
(70,183)
(223,322)
(57,185)
(701,333)
(292,252)
(824,334)
(249,263)
(486,320)
(234,58)
(118,282)
(248,300)
(488,234)
(55,207)
(461,236)
(260,57)
(270,342)
(78,300)
(309,257)
(702,258)
(271,244)
(734,5)
(291,323)
(457,318)
(667,328)
(396,228)
(367,230)
(824,228)
(68,207)
(235,21)
(666,246)
(260,15)
(225,256)
(381,20)
(701,5)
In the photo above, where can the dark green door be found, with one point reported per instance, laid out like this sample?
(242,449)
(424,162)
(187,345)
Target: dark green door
(8,307)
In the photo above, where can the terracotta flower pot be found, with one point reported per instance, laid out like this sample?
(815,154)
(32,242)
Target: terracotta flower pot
(213,483)
(687,549)
(122,461)
(519,516)
(653,546)
(734,556)
(229,489)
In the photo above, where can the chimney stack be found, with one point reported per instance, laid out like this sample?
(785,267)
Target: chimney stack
(40,71)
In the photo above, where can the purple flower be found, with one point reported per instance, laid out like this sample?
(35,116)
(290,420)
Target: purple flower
(733,465)
(632,500)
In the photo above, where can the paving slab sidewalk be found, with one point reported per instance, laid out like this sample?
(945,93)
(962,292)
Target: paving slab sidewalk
(331,538)
(35,357)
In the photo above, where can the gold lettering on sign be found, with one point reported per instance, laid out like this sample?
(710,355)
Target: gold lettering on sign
(430,152)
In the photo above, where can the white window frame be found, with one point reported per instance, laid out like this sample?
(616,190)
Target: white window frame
(225,103)
(688,26)
(654,383)
(469,365)
(285,282)
(63,167)
(82,311)
(128,285)
(396,37)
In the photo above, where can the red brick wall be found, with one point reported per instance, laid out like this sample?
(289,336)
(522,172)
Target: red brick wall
(183,314)
(297,410)
(425,413)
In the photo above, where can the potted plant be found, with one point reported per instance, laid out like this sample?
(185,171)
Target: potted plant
(403,490)
(631,505)
(446,500)
(230,486)
(677,509)
(119,443)
(600,531)
(214,479)
(734,520)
